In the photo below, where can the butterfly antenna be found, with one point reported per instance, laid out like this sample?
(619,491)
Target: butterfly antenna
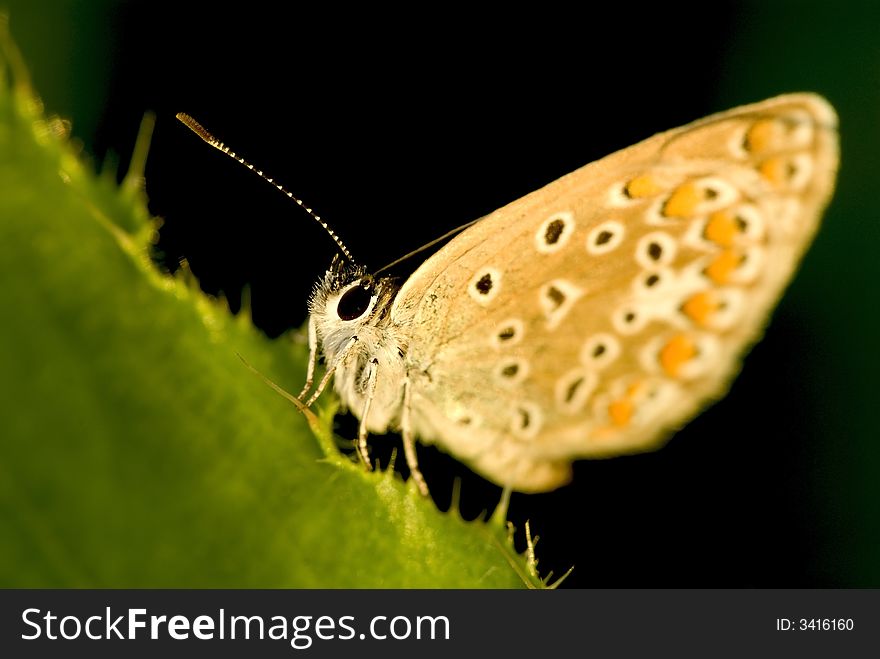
(202,132)
(426,246)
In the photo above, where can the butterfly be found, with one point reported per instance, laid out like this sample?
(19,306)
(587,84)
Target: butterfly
(592,317)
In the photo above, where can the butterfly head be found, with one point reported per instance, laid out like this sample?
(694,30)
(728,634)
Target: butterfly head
(348,299)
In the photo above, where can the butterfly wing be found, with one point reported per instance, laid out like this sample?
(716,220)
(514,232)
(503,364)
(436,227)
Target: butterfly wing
(597,314)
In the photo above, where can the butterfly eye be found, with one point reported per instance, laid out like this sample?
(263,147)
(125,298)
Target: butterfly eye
(353,303)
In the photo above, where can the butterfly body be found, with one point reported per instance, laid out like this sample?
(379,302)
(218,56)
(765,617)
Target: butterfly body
(596,315)
(380,347)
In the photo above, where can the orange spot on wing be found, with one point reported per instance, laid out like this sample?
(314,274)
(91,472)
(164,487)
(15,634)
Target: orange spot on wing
(775,170)
(683,201)
(642,186)
(722,267)
(722,228)
(763,136)
(677,351)
(700,306)
(621,412)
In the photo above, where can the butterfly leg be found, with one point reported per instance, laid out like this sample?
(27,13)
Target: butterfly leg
(313,357)
(409,441)
(331,367)
(362,428)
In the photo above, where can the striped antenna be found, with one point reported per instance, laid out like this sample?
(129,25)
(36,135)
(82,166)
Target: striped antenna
(200,130)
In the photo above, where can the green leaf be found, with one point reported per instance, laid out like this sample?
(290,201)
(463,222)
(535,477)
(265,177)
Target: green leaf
(138,451)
